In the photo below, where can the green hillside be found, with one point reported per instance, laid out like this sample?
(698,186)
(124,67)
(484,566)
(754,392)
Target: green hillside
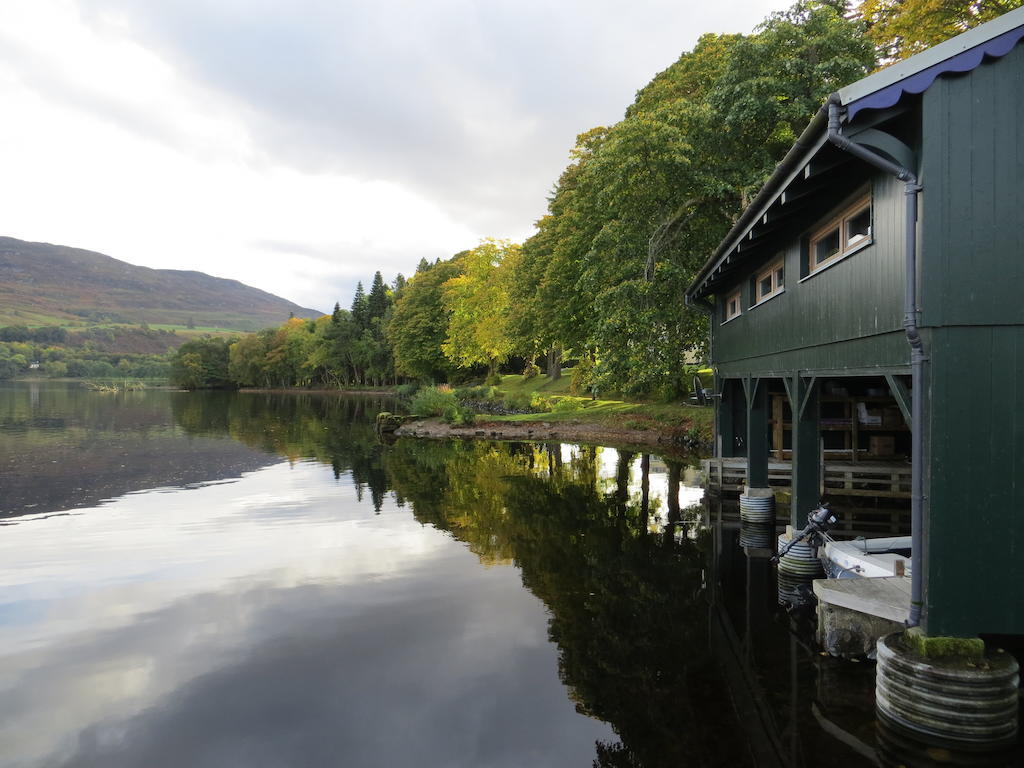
(53,285)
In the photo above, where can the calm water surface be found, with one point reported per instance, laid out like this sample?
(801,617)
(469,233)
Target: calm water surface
(209,579)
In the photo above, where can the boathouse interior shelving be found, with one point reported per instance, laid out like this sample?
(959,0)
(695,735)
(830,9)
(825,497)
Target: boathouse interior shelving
(853,427)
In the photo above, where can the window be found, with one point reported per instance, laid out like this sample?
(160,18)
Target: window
(732,306)
(769,281)
(847,232)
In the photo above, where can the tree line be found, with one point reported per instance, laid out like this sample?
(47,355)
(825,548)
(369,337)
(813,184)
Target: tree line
(54,352)
(630,220)
(343,349)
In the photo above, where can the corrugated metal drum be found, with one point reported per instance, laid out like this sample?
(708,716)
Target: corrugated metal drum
(795,591)
(757,535)
(967,705)
(757,509)
(902,749)
(800,560)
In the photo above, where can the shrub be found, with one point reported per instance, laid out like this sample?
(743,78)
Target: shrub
(540,403)
(463,414)
(435,401)
(481,392)
(566,404)
(531,370)
(583,378)
(517,401)
(408,390)
(493,379)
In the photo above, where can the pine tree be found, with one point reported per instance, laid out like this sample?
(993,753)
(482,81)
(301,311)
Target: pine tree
(377,301)
(359,309)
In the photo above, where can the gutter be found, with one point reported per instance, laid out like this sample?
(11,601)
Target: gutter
(917,357)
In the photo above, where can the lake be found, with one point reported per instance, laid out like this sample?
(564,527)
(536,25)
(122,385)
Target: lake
(242,579)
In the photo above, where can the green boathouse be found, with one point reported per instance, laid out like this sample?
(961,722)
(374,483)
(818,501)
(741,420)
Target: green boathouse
(868,306)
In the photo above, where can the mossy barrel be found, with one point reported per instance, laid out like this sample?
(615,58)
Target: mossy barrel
(962,702)
(802,558)
(798,568)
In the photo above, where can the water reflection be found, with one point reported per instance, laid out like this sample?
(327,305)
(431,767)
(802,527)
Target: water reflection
(63,447)
(425,603)
(272,621)
(795,703)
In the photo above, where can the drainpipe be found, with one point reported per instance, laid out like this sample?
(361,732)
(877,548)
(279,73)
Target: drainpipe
(917,356)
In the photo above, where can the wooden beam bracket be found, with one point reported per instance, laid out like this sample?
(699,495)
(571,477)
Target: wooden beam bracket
(792,391)
(903,397)
(750,385)
(801,406)
(799,396)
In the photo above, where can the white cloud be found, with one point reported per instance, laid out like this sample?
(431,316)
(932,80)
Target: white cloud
(300,146)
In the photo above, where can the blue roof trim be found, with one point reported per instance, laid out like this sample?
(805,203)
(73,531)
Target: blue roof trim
(995,48)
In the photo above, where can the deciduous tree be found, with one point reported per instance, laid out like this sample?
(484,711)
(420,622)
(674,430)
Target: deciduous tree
(901,28)
(478,301)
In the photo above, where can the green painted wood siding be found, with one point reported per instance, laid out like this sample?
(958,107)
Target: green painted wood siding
(972,263)
(974,481)
(849,315)
(972,170)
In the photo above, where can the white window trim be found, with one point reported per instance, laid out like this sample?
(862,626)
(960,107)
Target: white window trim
(768,298)
(738,293)
(844,257)
(838,221)
(769,269)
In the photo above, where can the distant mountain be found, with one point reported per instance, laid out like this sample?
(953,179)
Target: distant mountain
(43,284)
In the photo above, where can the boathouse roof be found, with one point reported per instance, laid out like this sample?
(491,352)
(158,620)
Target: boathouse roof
(884,89)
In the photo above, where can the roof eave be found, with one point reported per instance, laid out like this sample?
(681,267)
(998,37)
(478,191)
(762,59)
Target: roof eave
(809,142)
(901,70)
(967,50)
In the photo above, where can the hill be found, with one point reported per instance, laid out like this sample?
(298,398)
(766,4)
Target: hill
(43,284)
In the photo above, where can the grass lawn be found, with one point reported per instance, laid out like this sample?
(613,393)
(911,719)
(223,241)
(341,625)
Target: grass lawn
(608,410)
(514,383)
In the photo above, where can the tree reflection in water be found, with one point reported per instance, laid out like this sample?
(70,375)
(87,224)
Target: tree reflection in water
(665,629)
(331,430)
(624,590)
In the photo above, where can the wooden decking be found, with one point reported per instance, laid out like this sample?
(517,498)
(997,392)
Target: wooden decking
(877,479)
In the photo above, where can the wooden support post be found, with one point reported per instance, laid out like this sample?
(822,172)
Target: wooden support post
(807,469)
(854,435)
(778,427)
(757,432)
(726,418)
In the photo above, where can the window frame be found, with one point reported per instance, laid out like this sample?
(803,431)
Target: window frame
(839,221)
(771,269)
(738,296)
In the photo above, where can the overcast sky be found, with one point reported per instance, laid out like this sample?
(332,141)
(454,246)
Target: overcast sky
(300,145)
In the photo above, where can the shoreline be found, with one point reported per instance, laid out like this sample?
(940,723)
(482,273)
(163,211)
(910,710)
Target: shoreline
(561,431)
(302,391)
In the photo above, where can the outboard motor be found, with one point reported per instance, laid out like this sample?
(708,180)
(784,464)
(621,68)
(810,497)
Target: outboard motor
(818,522)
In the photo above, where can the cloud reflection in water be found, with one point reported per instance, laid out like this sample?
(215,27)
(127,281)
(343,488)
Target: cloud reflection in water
(272,621)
